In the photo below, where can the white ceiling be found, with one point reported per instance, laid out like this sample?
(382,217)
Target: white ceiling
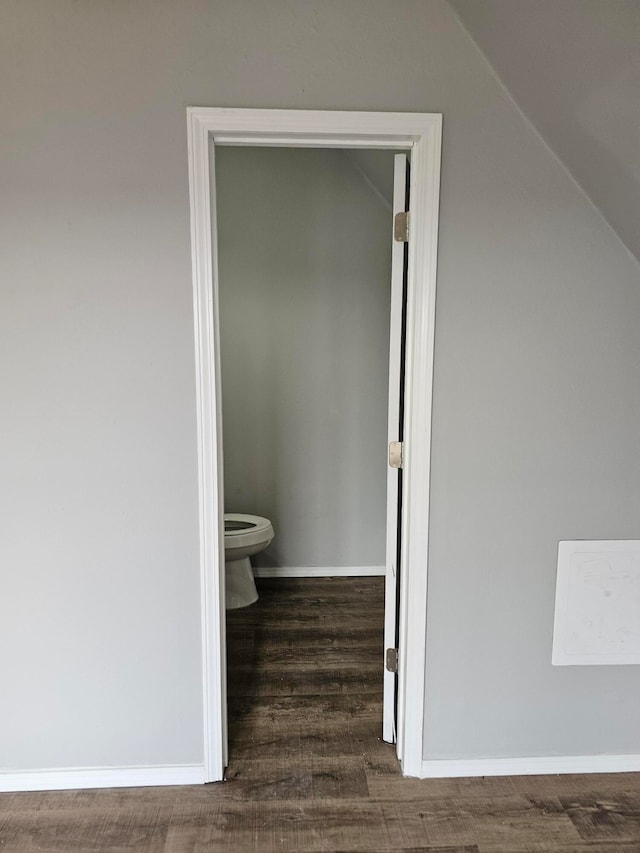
(573,67)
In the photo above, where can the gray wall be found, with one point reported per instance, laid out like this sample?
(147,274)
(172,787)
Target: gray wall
(535,430)
(305,255)
(537,356)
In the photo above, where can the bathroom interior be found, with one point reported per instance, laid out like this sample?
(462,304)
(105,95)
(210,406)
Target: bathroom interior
(304,258)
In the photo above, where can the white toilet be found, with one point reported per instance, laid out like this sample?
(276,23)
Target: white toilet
(244,536)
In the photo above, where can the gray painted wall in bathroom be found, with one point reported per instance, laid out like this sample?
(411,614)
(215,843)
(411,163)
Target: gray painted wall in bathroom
(305,251)
(536,373)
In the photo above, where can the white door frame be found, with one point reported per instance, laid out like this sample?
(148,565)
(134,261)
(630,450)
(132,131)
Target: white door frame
(421,133)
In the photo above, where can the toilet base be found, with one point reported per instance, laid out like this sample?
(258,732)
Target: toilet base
(240,587)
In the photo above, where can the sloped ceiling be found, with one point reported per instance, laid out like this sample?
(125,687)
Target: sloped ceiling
(573,67)
(376,167)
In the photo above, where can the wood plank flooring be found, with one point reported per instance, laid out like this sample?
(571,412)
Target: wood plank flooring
(308,771)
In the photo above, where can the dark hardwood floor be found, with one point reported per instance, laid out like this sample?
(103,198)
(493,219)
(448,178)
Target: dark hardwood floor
(307,770)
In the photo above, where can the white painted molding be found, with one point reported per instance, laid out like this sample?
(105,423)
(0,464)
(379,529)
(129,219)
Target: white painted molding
(532,766)
(74,778)
(209,437)
(422,134)
(318,571)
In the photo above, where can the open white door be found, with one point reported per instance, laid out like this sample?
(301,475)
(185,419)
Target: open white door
(395,437)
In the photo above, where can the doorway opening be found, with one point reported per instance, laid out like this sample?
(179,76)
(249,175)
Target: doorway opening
(311,395)
(209,129)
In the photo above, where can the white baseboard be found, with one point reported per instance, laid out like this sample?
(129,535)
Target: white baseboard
(73,778)
(318,571)
(533,766)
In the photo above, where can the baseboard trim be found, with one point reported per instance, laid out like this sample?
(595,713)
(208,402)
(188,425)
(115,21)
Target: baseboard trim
(73,778)
(318,571)
(533,766)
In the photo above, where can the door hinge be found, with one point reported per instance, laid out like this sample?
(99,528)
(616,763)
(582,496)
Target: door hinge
(401,227)
(396,454)
(391,660)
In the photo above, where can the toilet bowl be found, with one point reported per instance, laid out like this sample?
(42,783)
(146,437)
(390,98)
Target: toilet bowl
(244,536)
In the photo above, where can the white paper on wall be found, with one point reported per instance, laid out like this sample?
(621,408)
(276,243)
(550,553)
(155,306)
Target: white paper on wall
(597,614)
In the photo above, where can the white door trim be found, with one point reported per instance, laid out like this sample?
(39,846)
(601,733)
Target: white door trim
(420,132)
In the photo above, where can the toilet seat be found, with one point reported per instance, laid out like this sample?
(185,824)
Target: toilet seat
(242,530)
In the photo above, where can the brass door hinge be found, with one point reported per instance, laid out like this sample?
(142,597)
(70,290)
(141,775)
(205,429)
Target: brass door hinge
(395,454)
(401,227)
(391,660)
